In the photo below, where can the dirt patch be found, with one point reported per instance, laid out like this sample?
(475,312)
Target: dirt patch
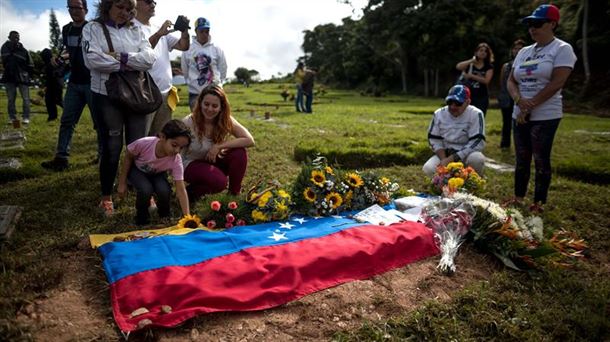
(80,308)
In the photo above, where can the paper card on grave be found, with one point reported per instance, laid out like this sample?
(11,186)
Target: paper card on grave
(376,215)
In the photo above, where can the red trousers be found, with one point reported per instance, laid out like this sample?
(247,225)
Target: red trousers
(210,178)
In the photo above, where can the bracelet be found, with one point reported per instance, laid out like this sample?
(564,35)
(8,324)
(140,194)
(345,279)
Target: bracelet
(517,99)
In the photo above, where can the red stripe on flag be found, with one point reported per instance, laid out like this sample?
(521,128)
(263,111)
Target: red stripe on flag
(264,277)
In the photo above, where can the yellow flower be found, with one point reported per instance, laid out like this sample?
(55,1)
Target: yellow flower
(252,196)
(318,178)
(348,196)
(262,201)
(455,165)
(283,194)
(455,183)
(334,199)
(281,207)
(354,180)
(309,195)
(189,221)
(329,170)
(259,216)
(385,180)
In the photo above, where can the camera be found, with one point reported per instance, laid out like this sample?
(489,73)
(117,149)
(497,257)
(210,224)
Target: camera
(181,24)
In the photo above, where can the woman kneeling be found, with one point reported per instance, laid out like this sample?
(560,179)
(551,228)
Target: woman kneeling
(212,157)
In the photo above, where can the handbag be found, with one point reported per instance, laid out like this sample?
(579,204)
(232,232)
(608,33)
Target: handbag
(133,90)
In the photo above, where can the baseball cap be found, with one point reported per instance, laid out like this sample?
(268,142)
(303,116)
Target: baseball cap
(202,23)
(459,93)
(543,12)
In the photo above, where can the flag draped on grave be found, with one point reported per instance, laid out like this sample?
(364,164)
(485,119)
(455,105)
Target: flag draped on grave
(176,277)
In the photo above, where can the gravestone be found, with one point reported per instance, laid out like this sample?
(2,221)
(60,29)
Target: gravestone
(10,163)
(498,166)
(9,215)
(10,140)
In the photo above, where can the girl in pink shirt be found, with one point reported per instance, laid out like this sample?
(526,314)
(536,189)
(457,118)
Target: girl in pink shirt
(145,164)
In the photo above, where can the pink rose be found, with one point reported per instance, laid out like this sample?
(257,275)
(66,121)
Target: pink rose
(228,225)
(232,205)
(230,218)
(241,222)
(215,205)
(211,224)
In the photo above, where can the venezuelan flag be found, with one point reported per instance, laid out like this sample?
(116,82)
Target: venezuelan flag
(164,280)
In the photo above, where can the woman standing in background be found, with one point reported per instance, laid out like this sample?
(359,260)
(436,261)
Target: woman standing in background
(477,72)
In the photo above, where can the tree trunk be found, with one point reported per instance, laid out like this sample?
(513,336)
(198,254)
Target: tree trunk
(436,82)
(585,46)
(426,82)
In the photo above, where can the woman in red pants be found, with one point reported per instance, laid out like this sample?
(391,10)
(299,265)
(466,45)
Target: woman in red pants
(218,152)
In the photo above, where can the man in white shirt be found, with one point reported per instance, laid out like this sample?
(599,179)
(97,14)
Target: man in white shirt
(204,63)
(457,133)
(162,42)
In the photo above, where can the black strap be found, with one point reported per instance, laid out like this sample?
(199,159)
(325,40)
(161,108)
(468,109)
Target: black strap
(107,34)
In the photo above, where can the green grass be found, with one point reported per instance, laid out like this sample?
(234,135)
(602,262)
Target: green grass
(387,134)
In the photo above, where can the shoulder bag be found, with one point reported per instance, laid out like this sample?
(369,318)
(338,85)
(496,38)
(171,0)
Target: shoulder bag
(133,90)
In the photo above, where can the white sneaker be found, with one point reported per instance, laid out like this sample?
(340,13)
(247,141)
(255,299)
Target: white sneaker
(25,121)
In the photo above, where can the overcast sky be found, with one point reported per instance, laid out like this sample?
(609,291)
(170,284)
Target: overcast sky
(265,35)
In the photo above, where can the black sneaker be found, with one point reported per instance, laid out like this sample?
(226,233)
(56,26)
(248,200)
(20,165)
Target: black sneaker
(57,164)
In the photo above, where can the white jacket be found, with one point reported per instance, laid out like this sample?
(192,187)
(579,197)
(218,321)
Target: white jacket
(129,41)
(465,134)
(203,65)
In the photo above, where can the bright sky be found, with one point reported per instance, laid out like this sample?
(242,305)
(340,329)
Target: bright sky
(265,35)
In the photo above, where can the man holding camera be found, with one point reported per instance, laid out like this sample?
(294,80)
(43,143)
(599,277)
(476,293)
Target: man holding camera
(457,133)
(78,93)
(162,42)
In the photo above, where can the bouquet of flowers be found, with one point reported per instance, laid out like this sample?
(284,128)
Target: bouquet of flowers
(455,177)
(366,189)
(222,211)
(319,190)
(269,203)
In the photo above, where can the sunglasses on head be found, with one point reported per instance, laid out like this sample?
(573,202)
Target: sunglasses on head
(454,102)
(536,23)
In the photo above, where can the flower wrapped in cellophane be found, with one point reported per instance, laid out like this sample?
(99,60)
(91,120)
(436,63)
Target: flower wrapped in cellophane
(450,220)
(455,177)
(269,202)
(222,211)
(366,189)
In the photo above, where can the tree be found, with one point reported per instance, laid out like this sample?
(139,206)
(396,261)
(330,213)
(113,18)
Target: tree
(55,33)
(244,75)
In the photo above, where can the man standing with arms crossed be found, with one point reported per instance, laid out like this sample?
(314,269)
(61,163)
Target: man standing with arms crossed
(18,66)
(78,93)
(162,42)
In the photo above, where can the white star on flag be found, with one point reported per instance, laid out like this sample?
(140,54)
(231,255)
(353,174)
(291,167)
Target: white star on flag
(286,225)
(278,237)
(338,216)
(300,220)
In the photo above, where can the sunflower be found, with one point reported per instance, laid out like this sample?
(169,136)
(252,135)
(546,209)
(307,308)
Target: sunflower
(189,221)
(334,199)
(310,196)
(329,170)
(318,178)
(354,180)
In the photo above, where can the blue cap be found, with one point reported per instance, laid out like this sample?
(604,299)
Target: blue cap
(543,12)
(459,93)
(202,23)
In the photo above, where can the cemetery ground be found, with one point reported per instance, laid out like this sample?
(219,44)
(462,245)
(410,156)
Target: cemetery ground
(52,285)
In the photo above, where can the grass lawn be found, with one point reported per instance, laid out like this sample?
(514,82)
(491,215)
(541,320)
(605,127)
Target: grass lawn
(387,134)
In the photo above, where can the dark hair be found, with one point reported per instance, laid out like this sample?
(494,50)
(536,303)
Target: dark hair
(12,33)
(103,10)
(176,128)
(222,123)
(84,2)
(490,54)
(518,42)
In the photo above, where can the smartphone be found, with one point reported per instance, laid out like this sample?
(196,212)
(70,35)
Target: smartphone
(181,23)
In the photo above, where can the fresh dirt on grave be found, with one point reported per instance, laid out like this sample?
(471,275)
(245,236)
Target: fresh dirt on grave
(79,309)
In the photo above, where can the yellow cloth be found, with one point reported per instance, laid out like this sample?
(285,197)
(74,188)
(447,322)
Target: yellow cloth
(173,98)
(97,240)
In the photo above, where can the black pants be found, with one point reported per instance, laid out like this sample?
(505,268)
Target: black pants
(114,124)
(146,185)
(507,123)
(481,102)
(534,138)
(52,99)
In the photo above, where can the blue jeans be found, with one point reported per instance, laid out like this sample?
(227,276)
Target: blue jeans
(77,96)
(299,99)
(192,100)
(534,138)
(308,102)
(146,185)
(11,93)
(115,122)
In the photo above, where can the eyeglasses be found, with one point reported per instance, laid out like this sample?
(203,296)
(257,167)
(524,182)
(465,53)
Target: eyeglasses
(536,23)
(455,103)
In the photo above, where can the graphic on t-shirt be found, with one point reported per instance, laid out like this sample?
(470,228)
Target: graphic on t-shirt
(204,67)
(529,66)
(146,168)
